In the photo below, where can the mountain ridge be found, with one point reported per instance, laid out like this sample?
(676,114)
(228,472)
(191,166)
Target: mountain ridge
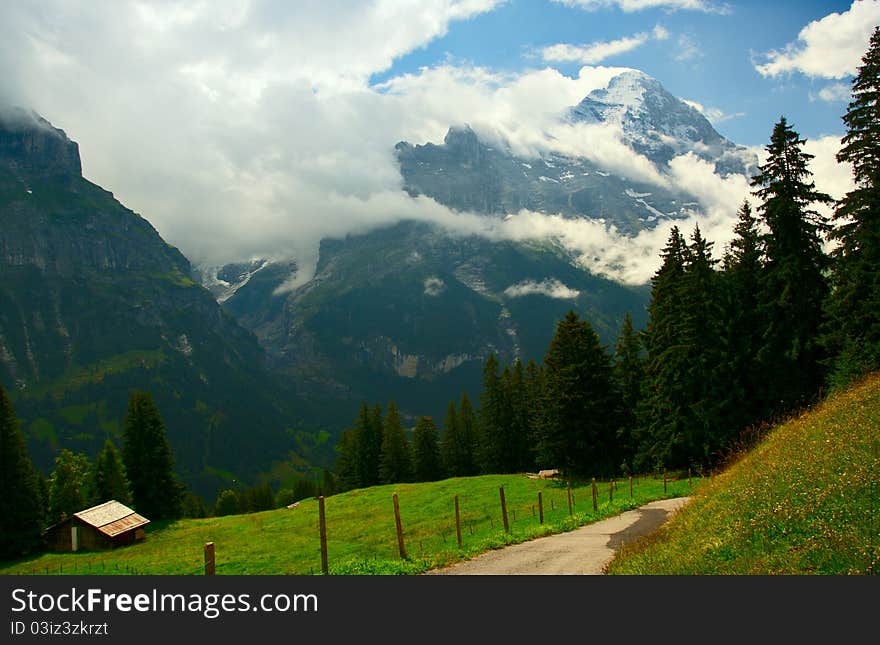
(93,304)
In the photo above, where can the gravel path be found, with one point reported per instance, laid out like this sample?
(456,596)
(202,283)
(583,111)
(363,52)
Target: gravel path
(583,551)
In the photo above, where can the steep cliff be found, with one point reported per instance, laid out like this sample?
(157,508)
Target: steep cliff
(93,303)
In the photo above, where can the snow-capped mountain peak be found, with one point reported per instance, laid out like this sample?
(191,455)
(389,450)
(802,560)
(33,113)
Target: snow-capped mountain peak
(655,123)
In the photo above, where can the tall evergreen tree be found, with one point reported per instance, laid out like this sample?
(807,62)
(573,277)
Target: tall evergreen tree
(467,422)
(743,401)
(453,446)
(577,435)
(394,459)
(348,468)
(794,287)
(427,465)
(701,342)
(149,463)
(70,489)
(519,406)
(537,404)
(490,454)
(369,430)
(662,412)
(629,373)
(110,481)
(854,303)
(20,503)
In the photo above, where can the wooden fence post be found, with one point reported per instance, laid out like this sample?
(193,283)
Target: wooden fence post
(322,528)
(457,523)
(664,481)
(504,509)
(611,491)
(209,559)
(540,508)
(689,477)
(569,499)
(595,497)
(400,545)
(630,486)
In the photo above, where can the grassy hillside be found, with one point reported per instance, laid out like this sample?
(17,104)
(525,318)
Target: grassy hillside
(361,532)
(805,501)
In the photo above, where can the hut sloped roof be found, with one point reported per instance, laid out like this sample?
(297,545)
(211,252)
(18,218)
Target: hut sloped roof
(112,518)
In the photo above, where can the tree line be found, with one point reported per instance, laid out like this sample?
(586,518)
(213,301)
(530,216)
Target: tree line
(729,343)
(141,475)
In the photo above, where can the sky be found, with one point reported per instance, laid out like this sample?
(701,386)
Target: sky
(255,128)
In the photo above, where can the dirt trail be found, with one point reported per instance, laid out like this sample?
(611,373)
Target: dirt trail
(583,551)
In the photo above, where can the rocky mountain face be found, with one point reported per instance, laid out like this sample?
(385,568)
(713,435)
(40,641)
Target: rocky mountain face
(468,174)
(93,303)
(409,313)
(658,125)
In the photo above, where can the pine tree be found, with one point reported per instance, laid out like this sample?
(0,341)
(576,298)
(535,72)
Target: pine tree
(629,374)
(701,343)
(794,287)
(110,481)
(368,428)
(348,468)
(662,412)
(69,485)
(490,455)
(582,410)
(467,422)
(394,460)
(149,463)
(453,448)
(743,400)
(519,408)
(427,465)
(536,395)
(20,504)
(854,303)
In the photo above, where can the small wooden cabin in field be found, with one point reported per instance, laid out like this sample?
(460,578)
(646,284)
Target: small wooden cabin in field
(104,526)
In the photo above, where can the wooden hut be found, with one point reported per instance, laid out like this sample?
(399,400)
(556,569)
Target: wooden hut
(104,526)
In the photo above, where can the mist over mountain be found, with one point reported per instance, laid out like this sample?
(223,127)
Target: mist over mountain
(500,243)
(469,174)
(410,312)
(93,304)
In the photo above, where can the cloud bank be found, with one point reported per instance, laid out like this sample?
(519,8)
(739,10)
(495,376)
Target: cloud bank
(596,52)
(252,129)
(828,48)
(550,288)
(641,5)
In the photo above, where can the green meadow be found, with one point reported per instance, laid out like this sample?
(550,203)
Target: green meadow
(361,529)
(805,500)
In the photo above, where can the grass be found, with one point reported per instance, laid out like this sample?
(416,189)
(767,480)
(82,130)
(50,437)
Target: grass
(361,532)
(806,500)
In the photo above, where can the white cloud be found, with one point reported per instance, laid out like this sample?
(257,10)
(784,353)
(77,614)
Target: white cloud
(834,93)
(245,131)
(715,115)
(687,49)
(660,32)
(596,52)
(828,48)
(831,177)
(551,288)
(640,5)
